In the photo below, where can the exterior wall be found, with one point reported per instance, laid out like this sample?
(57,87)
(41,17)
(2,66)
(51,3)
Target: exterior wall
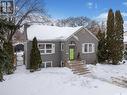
(25,53)
(55,57)
(27,48)
(64,52)
(83,37)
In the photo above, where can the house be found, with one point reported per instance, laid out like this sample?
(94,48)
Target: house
(60,44)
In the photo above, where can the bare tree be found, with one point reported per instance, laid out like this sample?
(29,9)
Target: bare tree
(103,26)
(22,11)
(94,27)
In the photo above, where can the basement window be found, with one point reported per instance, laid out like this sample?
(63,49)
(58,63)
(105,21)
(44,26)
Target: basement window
(47,64)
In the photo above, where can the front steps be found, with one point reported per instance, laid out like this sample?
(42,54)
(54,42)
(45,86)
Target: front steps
(78,67)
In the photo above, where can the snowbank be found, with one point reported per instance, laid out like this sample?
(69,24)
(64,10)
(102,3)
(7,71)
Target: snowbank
(60,81)
(105,71)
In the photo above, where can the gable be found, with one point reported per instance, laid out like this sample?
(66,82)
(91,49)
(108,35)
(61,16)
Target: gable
(83,33)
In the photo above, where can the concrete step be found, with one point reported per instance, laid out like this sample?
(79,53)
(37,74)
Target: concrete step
(83,73)
(80,70)
(79,67)
(75,72)
(78,64)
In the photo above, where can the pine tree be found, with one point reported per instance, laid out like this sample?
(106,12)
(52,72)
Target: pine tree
(8,48)
(118,27)
(110,36)
(101,53)
(1,64)
(4,59)
(35,57)
(1,51)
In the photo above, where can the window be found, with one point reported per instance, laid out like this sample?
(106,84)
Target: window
(46,48)
(88,48)
(62,46)
(6,7)
(3,7)
(47,64)
(10,7)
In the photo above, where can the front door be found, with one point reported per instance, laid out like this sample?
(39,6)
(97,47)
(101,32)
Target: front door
(71,53)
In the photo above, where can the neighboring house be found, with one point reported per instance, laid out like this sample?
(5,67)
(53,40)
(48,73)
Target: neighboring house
(18,47)
(61,44)
(18,37)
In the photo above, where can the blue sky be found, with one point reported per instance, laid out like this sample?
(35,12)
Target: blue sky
(90,8)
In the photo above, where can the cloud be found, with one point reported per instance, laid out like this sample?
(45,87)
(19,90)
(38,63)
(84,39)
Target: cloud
(90,5)
(103,16)
(124,14)
(125,3)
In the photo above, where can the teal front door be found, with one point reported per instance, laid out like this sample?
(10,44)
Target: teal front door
(71,54)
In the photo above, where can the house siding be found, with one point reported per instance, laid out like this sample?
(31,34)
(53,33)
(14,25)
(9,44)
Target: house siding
(55,57)
(80,37)
(83,37)
(27,55)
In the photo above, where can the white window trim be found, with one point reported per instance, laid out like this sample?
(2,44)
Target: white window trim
(61,63)
(62,47)
(45,63)
(53,48)
(93,47)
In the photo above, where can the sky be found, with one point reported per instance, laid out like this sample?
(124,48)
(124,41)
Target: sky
(94,9)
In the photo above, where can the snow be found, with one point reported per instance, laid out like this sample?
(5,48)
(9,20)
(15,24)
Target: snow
(105,72)
(19,58)
(43,32)
(18,43)
(125,37)
(61,81)
(125,25)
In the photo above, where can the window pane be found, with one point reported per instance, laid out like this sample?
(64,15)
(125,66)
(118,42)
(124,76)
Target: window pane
(90,47)
(41,46)
(42,51)
(85,48)
(48,51)
(4,7)
(9,6)
(48,46)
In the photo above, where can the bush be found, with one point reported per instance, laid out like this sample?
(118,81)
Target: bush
(9,55)
(35,57)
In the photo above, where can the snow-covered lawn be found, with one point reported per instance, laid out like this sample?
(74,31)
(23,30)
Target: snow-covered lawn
(106,72)
(61,81)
